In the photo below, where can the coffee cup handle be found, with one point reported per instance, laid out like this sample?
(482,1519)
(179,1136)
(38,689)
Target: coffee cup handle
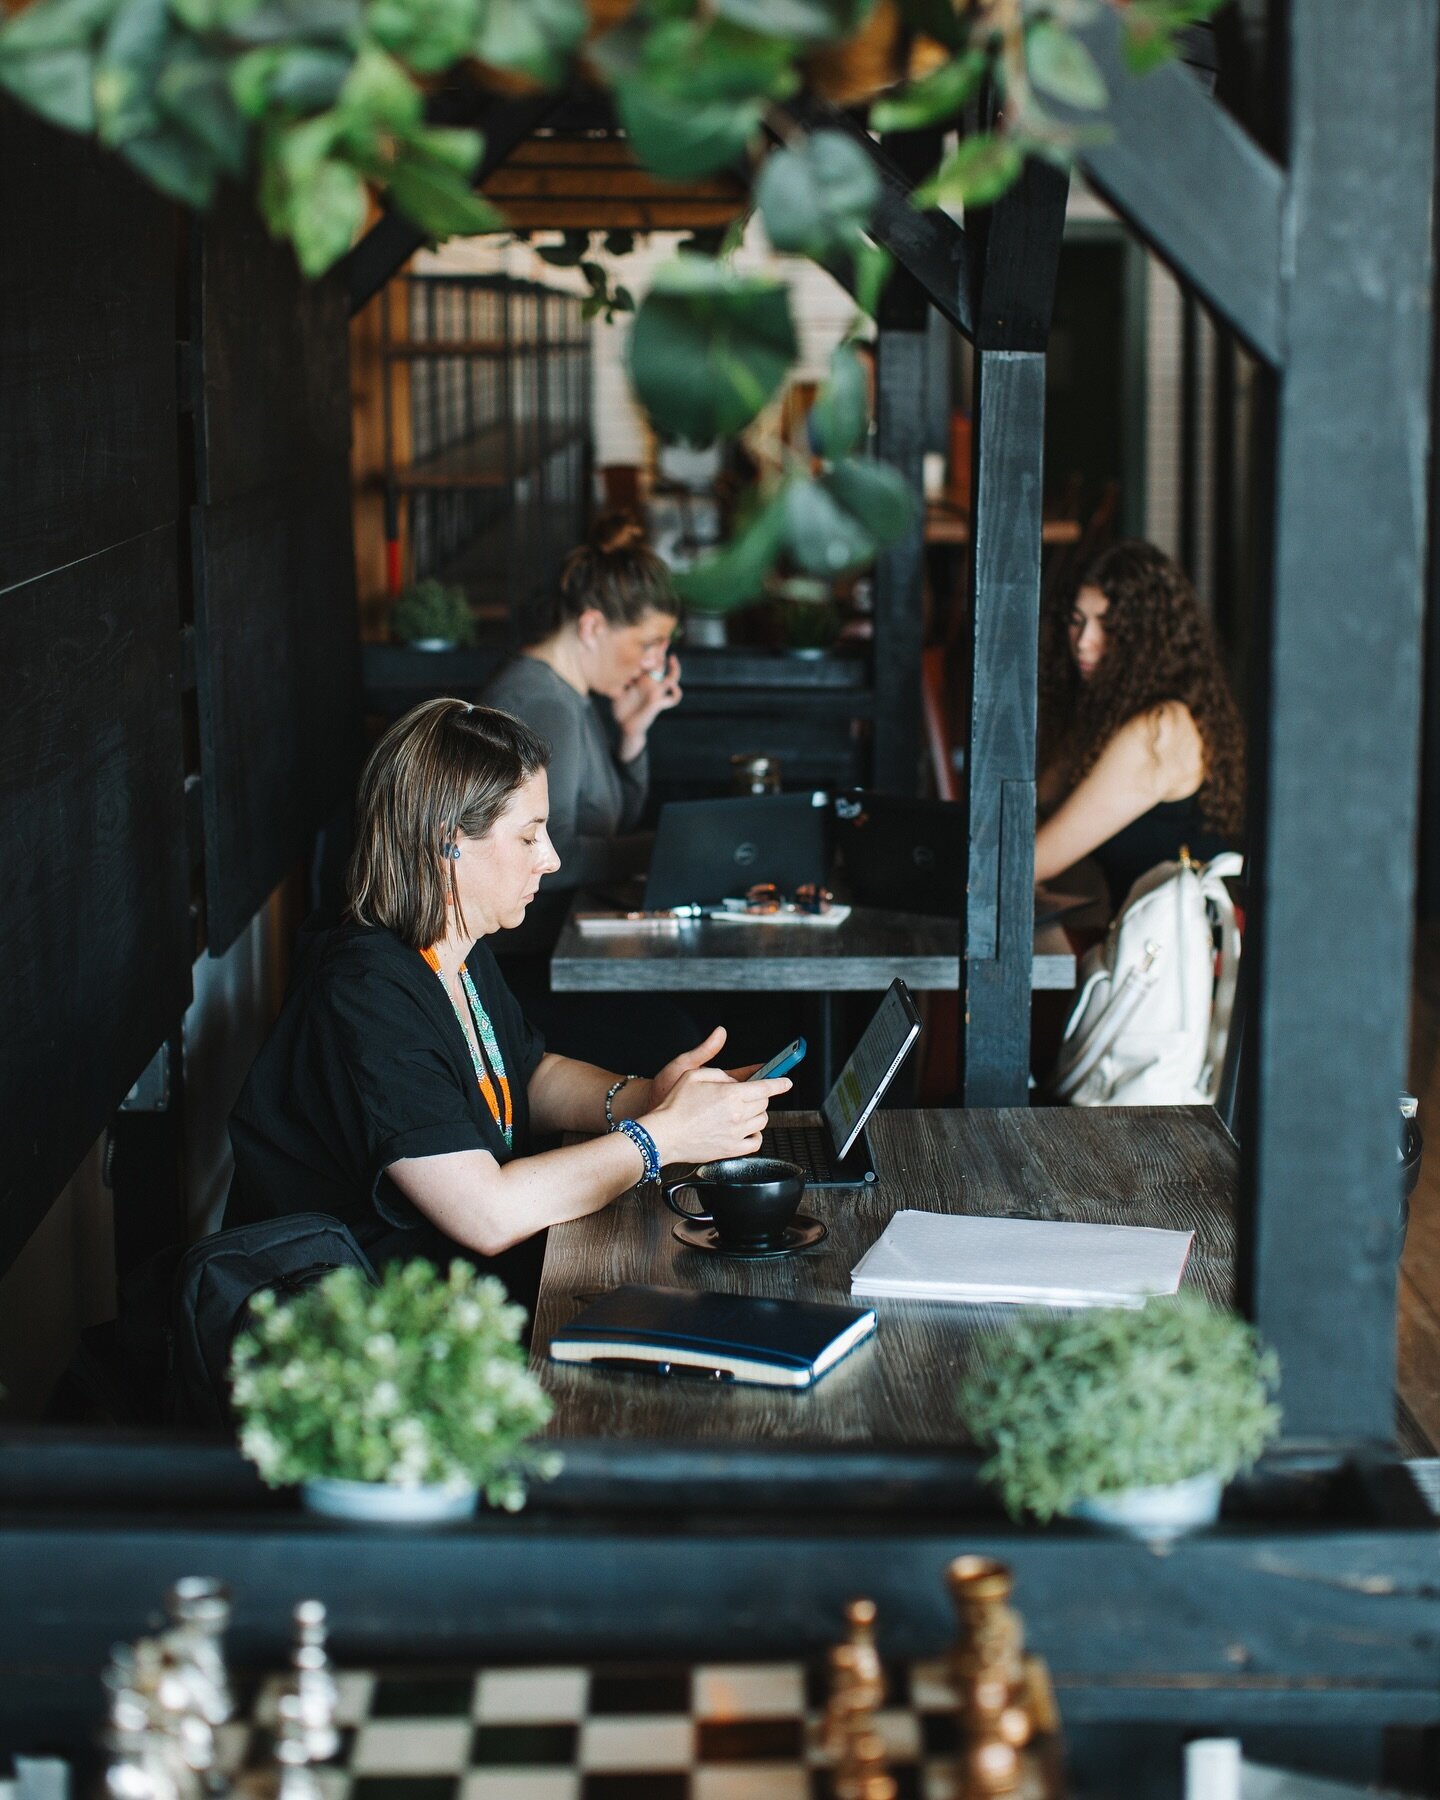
(673,1188)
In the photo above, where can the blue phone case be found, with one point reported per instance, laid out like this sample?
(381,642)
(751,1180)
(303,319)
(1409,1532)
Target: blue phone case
(782,1062)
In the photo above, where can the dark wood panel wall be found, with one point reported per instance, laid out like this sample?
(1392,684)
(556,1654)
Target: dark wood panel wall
(278,661)
(173,400)
(94,927)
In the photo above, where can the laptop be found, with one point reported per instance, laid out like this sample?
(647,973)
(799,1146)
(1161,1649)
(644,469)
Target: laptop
(902,855)
(908,856)
(834,1149)
(708,850)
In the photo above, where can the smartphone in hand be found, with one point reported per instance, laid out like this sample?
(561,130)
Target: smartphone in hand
(782,1062)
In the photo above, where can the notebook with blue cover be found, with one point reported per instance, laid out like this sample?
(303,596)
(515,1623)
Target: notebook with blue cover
(712,1337)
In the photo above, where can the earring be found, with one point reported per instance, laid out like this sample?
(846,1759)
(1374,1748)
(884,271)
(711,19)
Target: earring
(453,852)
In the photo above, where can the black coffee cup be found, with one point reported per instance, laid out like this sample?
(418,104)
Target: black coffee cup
(748,1199)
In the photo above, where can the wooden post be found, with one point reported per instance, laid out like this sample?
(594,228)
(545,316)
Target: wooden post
(1334,793)
(1016,251)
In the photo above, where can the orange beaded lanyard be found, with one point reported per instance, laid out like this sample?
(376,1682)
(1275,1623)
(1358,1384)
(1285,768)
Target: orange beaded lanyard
(485,1057)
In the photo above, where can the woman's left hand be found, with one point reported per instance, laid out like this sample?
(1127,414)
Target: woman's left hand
(638,706)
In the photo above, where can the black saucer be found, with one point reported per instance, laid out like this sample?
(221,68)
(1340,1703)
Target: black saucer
(799,1234)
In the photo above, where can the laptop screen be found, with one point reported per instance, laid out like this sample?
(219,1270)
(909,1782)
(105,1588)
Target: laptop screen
(871,1069)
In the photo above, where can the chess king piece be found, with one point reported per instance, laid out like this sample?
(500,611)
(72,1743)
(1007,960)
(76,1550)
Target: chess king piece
(1006,1703)
(857,1690)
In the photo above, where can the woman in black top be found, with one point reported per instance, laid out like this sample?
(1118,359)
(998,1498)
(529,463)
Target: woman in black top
(401,1084)
(1141,749)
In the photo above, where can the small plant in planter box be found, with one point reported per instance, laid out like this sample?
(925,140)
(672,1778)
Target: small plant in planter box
(418,1383)
(431,616)
(1081,1408)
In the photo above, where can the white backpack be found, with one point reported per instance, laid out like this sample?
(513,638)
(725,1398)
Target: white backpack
(1148,1027)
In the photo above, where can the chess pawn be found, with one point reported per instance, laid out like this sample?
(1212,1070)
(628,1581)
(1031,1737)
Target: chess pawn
(860,1635)
(863,1774)
(316,1694)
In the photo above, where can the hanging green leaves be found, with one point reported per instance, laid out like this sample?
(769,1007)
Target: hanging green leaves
(736,575)
(841,411)
(1062,67)
(976,173)
(934,100)
(817,198)
(709,347)
(691,92)
(535,38)
(803,21)
(1153,26)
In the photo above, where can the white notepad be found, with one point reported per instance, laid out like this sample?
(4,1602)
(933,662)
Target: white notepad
(1036,1262)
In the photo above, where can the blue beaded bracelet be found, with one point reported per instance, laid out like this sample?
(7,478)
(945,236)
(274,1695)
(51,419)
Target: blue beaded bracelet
(644,1143)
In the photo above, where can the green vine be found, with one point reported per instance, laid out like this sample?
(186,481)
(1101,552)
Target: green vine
(321,103)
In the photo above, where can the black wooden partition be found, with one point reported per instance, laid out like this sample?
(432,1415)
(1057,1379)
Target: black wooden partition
(94,932)
(174,431)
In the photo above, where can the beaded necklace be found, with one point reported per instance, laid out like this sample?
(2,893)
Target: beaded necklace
(484,1060)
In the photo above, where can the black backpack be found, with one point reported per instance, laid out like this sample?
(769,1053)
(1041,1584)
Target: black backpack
(214,1285)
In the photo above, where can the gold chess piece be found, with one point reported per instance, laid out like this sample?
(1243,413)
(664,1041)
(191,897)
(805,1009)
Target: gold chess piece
(857,1691)
(1007,1705)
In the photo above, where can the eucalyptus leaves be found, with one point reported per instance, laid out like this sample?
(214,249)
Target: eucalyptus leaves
(1077,1405)
(322,102)
(420,1381)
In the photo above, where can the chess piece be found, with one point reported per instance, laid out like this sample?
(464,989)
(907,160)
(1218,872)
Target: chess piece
(199,1610)
(1005,1698)
(142,1763)
(857,1690)
(317,1697)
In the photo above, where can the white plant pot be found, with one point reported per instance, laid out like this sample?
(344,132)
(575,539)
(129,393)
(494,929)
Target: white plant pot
(432,643)
(384,1503)
(1164,1512)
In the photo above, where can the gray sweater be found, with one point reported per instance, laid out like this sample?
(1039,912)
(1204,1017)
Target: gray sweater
(595,799)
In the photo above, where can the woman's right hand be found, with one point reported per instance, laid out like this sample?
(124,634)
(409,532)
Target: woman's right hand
(708,1115)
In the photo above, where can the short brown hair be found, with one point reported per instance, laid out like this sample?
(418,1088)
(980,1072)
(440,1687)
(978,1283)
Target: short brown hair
(616,574)
(445,769)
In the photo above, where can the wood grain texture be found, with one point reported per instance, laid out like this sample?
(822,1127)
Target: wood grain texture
(1169,1167)
(279,684)
(94,926)
(274,358)
(1325,1045)
(862,955)
(87,351)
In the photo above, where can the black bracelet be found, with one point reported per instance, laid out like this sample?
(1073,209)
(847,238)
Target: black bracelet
(615,1087)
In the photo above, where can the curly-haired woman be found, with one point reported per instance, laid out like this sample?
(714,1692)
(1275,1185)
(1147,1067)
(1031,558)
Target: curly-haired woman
(1141,746)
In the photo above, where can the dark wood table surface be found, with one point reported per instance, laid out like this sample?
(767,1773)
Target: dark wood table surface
(1166,1166)
(863,954)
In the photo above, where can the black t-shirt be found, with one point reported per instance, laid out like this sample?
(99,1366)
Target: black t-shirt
(367,1064)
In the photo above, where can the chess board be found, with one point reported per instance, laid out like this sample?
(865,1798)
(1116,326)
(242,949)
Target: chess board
(621,1731)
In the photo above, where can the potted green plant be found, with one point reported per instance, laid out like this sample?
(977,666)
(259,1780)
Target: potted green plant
(431,616)
(1131,1418)
(805,614)
(396,1401)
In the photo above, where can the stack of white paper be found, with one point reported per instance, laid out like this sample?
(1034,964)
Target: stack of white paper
(1036,1262)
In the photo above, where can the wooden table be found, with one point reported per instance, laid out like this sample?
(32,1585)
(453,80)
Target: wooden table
(864,954)
(887,1413)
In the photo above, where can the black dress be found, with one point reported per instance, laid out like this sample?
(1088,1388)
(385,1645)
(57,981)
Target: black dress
(1156,837)
(368,1064)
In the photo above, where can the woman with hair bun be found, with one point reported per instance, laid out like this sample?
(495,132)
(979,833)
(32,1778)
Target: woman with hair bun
(1141,747)
(610,636)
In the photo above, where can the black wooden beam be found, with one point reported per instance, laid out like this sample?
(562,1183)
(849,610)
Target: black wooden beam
(1226,1628)
(929,246)
(392,240)
(1336,770)
(1017,249)
(900,392)
(1192,183)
